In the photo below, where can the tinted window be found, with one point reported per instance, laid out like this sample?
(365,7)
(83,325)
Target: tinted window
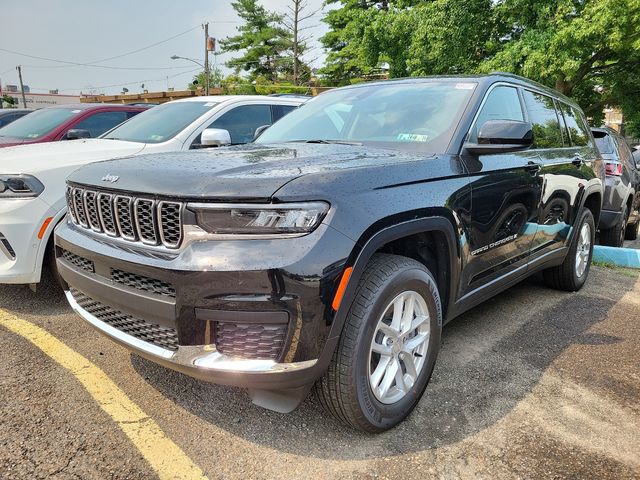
(7,119)
(414,116)
(502,103)
(603,142)
(542,114)
(577,126)
(38,123)
(161,123)
(100,122)
(280,111)
(241,122)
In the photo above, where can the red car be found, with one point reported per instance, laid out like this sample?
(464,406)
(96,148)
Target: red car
(66,122)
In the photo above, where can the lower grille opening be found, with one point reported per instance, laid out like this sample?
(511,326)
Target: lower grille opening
(147,332)
(6,248)
(140,282)
(250,340)
(78,261)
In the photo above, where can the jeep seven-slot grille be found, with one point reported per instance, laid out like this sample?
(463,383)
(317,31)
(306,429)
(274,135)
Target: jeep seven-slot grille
(143,220)
(148,332)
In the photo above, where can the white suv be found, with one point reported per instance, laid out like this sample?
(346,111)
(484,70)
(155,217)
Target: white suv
(32,177)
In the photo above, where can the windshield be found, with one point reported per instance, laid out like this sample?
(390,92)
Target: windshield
(416,116)
(38,123)
(161,123)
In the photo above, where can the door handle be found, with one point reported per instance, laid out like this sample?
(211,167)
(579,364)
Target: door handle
(532,167)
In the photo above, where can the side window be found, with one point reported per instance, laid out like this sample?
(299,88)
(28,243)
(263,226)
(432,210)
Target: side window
(543,117)
(279,111)
(502,103)
(100,122)
(577,126)
(603,142)
(241,122)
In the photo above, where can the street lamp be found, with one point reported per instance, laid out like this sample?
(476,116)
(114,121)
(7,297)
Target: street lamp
(206,74)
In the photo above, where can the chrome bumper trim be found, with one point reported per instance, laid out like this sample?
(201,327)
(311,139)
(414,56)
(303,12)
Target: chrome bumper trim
(204,358)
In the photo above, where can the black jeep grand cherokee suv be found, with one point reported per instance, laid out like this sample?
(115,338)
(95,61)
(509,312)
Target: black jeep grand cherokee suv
(332,250)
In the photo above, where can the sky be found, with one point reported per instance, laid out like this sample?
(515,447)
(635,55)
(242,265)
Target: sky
(92,31)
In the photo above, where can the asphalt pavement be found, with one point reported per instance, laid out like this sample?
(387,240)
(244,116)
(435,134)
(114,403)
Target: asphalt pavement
(534,383)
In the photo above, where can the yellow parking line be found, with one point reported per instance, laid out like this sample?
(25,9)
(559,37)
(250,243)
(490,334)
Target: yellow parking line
(165,457)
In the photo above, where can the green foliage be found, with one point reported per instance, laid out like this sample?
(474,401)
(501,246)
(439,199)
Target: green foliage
(10,101)
(586,49)
(262,41)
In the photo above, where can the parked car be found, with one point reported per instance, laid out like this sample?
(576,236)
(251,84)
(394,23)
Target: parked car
(620,218)
(36,173)
(8,115)
(66,122)
(332,250)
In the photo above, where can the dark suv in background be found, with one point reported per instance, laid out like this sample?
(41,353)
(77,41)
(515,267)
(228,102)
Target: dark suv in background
(332,251)
(620,218)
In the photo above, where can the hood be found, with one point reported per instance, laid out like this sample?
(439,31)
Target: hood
(252,172)
(42,157)
(10,141)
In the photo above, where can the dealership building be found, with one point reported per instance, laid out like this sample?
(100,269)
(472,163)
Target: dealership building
(37,100)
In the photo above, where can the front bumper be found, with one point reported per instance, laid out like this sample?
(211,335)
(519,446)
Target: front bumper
(20,249)
(264,286)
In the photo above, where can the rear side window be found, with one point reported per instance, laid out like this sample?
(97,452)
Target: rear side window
(543,117)
(502,103)
(100,122)
(577,126)
(279,111)
(603,142)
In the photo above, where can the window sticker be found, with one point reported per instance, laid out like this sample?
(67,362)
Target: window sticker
(465,86)
(412,137)
(76,111)
(157,138)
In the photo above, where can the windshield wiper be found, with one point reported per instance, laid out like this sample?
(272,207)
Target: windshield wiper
(328,142)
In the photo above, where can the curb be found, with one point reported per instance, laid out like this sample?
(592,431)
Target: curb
(622,257)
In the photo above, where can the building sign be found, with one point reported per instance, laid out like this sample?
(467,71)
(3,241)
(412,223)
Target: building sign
(41,100)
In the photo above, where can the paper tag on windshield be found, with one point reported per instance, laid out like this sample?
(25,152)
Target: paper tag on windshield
(210,104)
(465,86)
(412,137)
(76,111)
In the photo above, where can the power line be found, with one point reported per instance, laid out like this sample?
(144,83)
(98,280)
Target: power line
(147,47)
(79,64)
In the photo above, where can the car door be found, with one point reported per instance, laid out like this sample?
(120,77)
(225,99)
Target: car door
(505,196)
(97,123)
(567,169)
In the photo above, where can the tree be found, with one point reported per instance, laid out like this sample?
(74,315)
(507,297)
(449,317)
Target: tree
(298,12)
(345,56)
(586,49)
(262,40)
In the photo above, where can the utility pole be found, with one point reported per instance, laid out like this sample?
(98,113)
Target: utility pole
(24,99)
(206,58)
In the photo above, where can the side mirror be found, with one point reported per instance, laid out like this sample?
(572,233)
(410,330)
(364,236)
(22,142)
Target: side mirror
(501,136)
(260,130)
(77,133)
(215,137)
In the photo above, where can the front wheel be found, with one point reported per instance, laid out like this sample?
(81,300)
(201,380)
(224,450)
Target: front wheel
(572,273)
(388,346)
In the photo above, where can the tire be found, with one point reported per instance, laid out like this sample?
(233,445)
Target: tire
(631,232)
(566,275)
(345,391)
(614,236)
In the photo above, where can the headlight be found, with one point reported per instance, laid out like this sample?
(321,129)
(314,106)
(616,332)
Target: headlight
(19,186)
(249,219)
